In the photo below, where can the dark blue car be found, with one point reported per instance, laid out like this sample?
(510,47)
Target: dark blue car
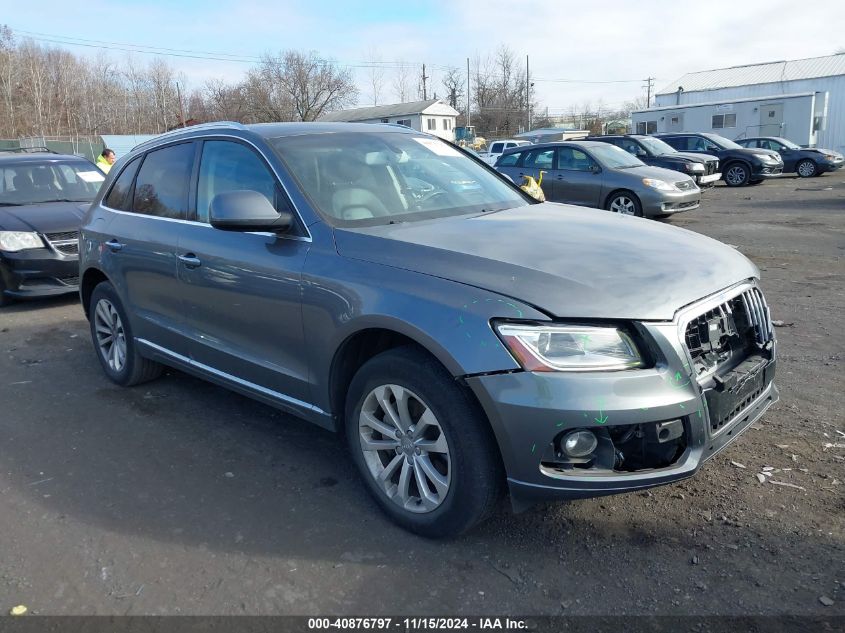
(804,161)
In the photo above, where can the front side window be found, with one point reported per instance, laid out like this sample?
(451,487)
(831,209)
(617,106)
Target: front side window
(30,182)
(496,148)
(608,155)
(508,160)
(227,166)
(161,188)
(574,159)
(382,177)
(120,196)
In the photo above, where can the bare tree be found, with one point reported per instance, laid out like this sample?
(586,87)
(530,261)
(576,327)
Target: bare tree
(455,83)
(402,82)
(375,75)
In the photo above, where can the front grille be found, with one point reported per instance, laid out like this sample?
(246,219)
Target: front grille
(730,331)
(685,185)
(66,242)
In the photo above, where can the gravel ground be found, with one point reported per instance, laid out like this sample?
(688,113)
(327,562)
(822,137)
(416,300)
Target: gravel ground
(178,497)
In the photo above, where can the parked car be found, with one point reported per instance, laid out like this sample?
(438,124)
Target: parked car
(601,175)
(462,341)
(740,166)
(804,161)
(497,147)
(43,196)
(652,151)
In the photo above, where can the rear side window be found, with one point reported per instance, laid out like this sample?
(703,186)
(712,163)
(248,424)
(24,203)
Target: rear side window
(162,185)
(227,166)
(508,160)
(120,195)
(541,159)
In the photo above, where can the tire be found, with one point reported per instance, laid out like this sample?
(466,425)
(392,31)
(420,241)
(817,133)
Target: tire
(114,345)
(624,203)
(806,168)
(756,182)
(737,175)
(460,447)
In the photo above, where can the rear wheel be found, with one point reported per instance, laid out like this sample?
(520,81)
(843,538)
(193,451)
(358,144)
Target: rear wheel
(113,341)
(423,448)
(806,169)
(737,175)
(624,203)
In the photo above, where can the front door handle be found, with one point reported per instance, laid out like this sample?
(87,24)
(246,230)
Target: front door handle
(190,260)
(114,245)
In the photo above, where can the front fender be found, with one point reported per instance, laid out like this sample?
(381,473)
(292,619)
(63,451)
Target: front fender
(342,297)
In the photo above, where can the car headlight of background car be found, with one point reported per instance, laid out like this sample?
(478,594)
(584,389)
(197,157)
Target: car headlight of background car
(767,158)
(13,241)
(694,167)
(569,347)
(660,185)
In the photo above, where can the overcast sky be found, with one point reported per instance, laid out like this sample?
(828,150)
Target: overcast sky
(610,41)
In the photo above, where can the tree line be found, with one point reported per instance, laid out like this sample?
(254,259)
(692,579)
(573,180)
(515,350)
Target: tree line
(50,91)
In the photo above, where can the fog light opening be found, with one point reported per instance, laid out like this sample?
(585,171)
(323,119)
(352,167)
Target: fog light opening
(579,443)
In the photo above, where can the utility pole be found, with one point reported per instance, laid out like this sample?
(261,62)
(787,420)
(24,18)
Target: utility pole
(181,111)
(468,93)
(424,78)
(649,83)
(527,96)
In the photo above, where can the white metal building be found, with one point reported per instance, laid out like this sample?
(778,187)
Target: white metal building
(802,100)
(432,116)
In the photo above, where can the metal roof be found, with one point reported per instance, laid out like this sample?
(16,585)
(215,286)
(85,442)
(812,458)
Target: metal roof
(390,110)
(766,73)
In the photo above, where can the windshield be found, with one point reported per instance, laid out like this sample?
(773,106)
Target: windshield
(656,146)
(30,182)
(365,179)
(614,157)
(786,142)
(721,141)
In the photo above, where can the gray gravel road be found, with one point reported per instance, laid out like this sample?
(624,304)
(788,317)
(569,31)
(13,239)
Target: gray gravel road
(178,497)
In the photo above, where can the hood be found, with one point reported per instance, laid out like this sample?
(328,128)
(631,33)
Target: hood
(691,158)
(48,217)
(649,171)
(747,151)
(821,150)
(567,261)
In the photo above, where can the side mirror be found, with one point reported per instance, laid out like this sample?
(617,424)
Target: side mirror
(595,169)
(245,210)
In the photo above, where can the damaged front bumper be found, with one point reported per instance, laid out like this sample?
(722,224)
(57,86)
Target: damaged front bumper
(653,426)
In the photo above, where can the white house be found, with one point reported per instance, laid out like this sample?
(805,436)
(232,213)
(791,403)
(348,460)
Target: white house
(802,100)
(432,116)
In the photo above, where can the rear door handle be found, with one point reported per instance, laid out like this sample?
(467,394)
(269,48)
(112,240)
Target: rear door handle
(190,260)
(114,245)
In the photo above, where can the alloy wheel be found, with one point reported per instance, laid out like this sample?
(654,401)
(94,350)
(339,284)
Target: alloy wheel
(736,175)
(623,205)
(111,337)
(405,448)
(806,169)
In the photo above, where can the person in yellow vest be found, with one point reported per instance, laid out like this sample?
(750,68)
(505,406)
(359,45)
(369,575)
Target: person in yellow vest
(106,160)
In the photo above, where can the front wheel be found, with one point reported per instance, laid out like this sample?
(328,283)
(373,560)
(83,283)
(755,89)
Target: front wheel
(806,169)
(113,342)
(625,203)
(737,175)
(423,448)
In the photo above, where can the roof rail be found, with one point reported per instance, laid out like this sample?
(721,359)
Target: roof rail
(190,128)
(27,150)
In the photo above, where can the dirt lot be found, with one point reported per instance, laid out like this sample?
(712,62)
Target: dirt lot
(181,497)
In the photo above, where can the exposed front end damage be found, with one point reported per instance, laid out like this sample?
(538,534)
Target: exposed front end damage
(584,434)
